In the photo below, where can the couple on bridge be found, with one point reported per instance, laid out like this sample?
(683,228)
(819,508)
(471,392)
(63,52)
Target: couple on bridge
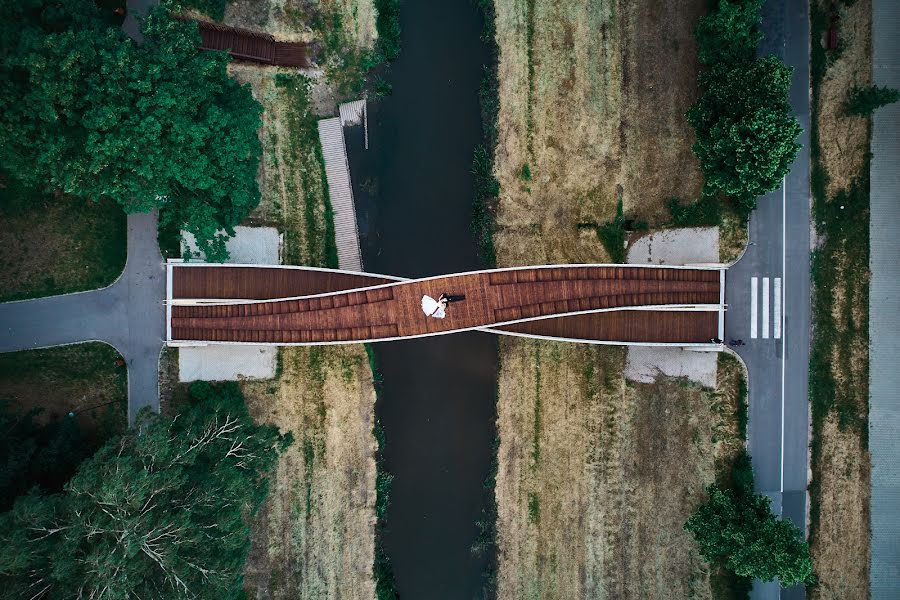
(437,308)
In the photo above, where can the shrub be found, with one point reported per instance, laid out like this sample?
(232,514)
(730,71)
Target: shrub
(388,25)
(740,531)
(863,101)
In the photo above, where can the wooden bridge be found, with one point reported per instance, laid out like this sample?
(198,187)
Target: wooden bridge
(252,46)
(281,305)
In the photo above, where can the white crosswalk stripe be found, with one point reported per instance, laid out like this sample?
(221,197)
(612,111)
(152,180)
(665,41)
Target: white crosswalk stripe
(753,299)
(776,318)
(764,305)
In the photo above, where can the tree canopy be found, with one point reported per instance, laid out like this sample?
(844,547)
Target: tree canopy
(85,110)
(160,512)
(735,527)
(743,123)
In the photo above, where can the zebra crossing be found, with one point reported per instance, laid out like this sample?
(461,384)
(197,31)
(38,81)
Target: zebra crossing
(763,305)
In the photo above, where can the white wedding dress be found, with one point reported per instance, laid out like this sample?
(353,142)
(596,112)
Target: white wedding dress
(432,307)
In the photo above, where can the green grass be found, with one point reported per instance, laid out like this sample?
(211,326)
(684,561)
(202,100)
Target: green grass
(385,584)
(315,245)
(90,379)
(57,245)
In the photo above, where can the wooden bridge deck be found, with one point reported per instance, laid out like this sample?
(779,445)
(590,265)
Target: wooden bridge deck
(273,305)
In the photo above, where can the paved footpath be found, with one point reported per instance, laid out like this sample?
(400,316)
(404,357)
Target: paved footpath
(768,296)
(884,310)
(129,315)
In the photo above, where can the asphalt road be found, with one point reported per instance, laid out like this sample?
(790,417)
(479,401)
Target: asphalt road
(129,315)
(777,357)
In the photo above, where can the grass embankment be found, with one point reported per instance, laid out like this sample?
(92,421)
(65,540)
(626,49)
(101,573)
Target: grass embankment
(56,245)
(594,120)
(88,379)
(596,476)
(839,361)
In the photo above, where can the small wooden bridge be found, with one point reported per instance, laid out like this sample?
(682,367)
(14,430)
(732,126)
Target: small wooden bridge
(282,305)
(252,46)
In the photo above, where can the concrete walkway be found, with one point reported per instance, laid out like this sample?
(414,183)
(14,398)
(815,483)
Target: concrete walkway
(129,315)
(884,310)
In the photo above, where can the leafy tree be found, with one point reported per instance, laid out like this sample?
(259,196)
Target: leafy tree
(34,455)
(160,512)
(863,101)
(730,33)
(85,110)
(739,530)
(745,132)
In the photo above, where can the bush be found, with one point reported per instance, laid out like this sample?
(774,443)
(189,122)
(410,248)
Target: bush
(612,236)
(388,25)
(739,531)
(863,101)
(705,212)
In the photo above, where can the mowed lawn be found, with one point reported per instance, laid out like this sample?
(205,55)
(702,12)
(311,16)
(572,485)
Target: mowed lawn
(56,245)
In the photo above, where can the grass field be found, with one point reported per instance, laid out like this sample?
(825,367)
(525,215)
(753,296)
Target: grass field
(839,363)
(597,475)
(89,379)
(315,534)
(592,100)
(56,245)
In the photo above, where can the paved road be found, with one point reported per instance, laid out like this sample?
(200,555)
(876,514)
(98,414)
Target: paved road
(129,315)
(768,295)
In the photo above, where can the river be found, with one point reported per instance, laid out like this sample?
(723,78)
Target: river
(413,191)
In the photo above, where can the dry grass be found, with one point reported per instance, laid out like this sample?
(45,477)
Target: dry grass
(57,245)
(90,379)
(293,19)
(596,476)
(843,140)
(314,536)
(840,536)
(840,549)
(596,109)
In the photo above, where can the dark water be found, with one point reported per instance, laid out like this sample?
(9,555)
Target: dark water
(413,192)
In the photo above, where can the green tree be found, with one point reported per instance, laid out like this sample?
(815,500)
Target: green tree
(34,455)
(85,110)
(160,512)
(863,101)
(740,531)
(729,33)
(745,132)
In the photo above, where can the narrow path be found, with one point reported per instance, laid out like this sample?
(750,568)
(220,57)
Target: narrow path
(884,309)
(129,315)
(768,296)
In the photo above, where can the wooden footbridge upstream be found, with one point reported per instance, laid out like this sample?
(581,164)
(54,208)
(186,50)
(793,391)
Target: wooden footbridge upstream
(606,304)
